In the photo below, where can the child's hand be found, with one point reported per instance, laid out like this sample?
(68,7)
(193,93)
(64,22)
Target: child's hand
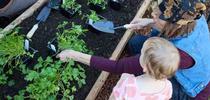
(67,54)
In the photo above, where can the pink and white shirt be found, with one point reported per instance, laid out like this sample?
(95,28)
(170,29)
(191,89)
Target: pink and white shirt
(127,89)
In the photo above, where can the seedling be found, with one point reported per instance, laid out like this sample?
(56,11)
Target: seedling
(69,8)
(67,38)
(11,54)
(93,16)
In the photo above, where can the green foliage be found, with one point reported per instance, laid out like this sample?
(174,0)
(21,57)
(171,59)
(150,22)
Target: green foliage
(93,16)
(102,3)
(3,78)
(11,49)
(49,77)
(71,4)
(69,38)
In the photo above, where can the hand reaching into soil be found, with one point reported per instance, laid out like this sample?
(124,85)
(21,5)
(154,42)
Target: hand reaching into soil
(74,55)
(140,23)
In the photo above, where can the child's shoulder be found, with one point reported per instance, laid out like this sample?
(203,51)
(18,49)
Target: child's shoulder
(126,76)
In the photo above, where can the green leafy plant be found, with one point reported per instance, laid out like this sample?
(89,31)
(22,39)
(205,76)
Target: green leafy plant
(69,38)
(11,50)
(93,16)
(51,79)
(102,3)
(71,4)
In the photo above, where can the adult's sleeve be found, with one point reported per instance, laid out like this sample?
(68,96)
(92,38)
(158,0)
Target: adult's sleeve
(131,64)
(125,65)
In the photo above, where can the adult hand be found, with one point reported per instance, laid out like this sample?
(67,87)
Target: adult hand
(74,55)
(140,23)
(67,54)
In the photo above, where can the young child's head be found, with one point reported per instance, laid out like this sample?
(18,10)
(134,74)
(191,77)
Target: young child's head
(159,58)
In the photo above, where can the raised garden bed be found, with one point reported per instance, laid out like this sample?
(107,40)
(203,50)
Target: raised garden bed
(96,42)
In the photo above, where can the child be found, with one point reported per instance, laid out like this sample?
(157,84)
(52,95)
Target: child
(159,60)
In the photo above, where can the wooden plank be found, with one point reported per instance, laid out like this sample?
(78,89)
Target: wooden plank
(29,12)
(116,54)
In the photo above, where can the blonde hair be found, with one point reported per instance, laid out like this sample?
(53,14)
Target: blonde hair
(160,57)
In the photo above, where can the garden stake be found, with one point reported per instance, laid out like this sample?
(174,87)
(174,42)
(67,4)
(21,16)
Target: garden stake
(52,46)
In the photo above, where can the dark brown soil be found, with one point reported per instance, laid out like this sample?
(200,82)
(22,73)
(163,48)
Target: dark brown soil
(97,42)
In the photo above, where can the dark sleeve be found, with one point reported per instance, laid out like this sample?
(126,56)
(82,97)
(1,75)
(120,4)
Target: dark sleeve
(131,64)
(186,60)
(125,65)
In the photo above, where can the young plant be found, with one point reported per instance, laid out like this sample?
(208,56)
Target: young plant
(69,38)
(11,50)
(52,79)
(102,3)
(71,4)
(93,16)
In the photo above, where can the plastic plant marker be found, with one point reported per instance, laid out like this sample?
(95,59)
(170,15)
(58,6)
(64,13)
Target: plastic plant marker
(26,45)
(52,47)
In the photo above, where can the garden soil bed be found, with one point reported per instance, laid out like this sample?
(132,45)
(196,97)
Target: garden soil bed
(101,44)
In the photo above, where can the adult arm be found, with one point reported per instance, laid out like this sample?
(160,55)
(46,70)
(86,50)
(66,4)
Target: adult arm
(132,64)
(125,65)
(74,55)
